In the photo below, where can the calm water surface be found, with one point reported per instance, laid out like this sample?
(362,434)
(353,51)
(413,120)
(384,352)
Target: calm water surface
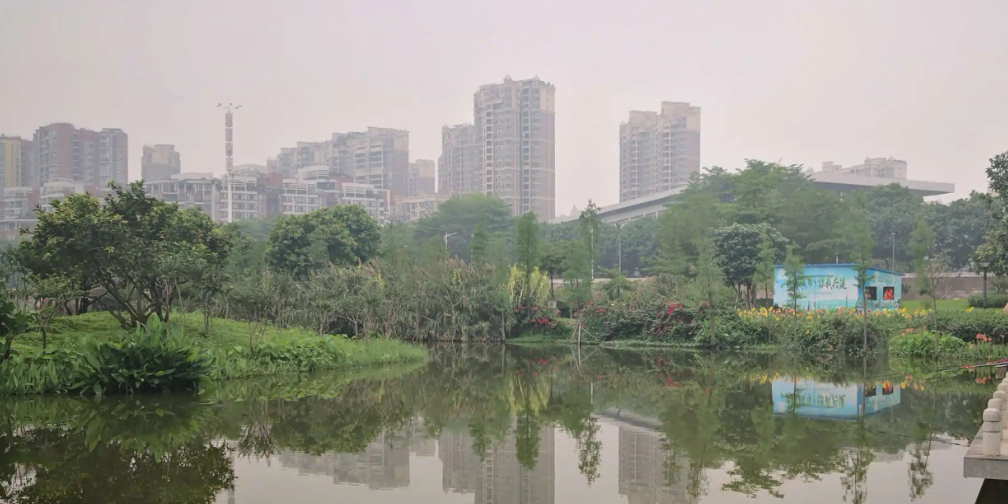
(517,425)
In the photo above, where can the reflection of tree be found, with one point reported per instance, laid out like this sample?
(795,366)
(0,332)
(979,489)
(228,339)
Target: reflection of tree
(918,473)
(170,462)
(589,451)
(855,466)
(710,411)
(527,439)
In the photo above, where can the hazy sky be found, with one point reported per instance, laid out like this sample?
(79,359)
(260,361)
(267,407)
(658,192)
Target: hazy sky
(798,81)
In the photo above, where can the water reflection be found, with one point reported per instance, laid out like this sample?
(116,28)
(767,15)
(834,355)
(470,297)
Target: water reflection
(515,426)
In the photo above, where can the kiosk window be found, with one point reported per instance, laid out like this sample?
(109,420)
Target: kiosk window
(888,293)
(871,293)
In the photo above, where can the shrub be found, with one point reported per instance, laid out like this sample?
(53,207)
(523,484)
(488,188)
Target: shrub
(818,331)
(38,372)
(270,358)
(965,325)
(157,360)
(538,321)
(922,344)
(994,300)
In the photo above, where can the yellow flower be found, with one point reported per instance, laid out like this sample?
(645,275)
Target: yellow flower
(969,309)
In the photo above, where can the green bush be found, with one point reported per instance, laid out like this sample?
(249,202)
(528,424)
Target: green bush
(966,325)
(303,355)
(156,361)
(922,344)
(39,372)
(994,300)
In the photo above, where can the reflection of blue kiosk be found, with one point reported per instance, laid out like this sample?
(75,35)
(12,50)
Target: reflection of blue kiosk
(808,398)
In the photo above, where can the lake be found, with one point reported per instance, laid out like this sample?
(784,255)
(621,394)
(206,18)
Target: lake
(516,424)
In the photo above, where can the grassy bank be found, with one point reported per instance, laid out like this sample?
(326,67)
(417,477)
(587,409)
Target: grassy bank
(91,354)
(943,304)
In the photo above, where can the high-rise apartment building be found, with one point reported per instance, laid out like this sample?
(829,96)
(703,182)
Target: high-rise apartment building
(378,157)
(292,159)
(422,177)
(11,159)
(160,162)
(873,167)
(459,166)
(63,152)
(659,151)
(515,125)
(58,153)
(113,158)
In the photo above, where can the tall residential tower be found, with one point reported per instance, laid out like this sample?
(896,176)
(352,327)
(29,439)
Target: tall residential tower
(459,165)
(515,125)
(160,162)
(659,150)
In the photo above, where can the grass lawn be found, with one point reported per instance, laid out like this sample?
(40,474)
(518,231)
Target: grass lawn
(225,334)
(943,304)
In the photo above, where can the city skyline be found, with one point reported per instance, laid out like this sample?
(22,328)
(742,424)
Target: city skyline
(803,88)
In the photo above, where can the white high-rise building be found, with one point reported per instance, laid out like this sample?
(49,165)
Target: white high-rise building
(459,166)
(659,151)
(515,125)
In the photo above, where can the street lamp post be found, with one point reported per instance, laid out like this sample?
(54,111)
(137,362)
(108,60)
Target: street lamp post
(446,236)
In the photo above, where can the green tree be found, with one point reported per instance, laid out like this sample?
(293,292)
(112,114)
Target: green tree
(683,226)
(341,235)
(996,242)
(129,255)
(479,245)
(527,246)
(591,232)
(552,261)
(577,276)
(763,274)
(795,279)
(737,250)
(960,227)
(462,215)
(930,268)
(861,243)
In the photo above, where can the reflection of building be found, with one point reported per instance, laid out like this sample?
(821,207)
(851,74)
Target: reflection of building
(419,442)
(834,401)
(383,464)
(498,477)
(460,463)
(646,475)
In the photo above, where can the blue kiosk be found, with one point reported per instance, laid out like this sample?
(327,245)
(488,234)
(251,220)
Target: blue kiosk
(832,286)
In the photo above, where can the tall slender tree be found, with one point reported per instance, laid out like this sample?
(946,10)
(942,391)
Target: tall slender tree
(527,251)
(479,244)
